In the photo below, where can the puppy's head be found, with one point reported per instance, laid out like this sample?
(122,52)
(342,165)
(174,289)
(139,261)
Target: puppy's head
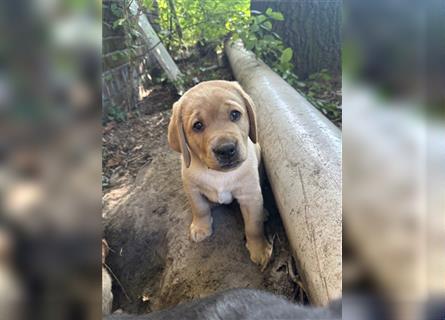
(213,121)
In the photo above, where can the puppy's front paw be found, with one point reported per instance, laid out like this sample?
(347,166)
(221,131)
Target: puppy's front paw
(260,252)
(201,229)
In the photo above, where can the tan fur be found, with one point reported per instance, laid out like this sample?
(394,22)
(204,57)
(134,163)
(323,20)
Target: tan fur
(203,176)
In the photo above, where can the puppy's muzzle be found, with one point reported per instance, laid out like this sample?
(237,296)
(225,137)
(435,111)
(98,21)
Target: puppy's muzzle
(227,154)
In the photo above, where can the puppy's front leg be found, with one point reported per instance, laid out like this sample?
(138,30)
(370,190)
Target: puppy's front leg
(201,227)
(253,214)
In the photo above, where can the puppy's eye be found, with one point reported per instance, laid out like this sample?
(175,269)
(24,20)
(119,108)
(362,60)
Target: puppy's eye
(235,115)
(198,126)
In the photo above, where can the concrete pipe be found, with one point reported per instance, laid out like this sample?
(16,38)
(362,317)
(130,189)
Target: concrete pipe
(301,150)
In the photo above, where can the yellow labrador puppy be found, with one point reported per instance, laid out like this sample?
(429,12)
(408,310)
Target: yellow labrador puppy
(213,127)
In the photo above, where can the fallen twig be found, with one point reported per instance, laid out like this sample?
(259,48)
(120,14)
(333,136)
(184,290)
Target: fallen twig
(118,282)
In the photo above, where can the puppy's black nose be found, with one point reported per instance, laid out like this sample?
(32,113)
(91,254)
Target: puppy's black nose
(225,150)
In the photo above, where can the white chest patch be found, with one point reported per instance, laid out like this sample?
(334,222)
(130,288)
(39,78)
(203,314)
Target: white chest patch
(223,187)
(224,197)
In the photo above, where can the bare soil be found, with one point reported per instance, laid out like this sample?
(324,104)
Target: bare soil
(146,222)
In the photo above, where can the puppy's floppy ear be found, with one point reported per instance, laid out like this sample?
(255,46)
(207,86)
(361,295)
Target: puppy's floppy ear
(250,106)
(176,134)
(173,138)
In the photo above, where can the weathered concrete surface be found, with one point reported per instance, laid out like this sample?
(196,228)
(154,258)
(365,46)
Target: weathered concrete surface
(147,227)
(301,150)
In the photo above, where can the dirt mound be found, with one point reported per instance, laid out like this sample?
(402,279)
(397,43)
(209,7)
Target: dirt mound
(147,227)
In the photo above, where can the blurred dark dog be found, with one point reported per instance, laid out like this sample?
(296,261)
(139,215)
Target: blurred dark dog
(242,304)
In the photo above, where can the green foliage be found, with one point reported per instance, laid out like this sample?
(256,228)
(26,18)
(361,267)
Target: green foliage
(127,24)
(320,90)
(286,56)
(117,114)
(258,37)
(185,23)
(207,23)
(204,21)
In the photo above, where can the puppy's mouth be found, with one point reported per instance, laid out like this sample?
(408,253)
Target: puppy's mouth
(227,155)
(230,165)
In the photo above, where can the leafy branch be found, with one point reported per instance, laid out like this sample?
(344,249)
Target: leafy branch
(258,37)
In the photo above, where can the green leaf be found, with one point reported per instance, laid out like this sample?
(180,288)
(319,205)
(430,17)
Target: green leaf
(286,56)
(268,25)
(269,38)
(269,11)
(249,44)
(260,19)
(115,9)
(277,16)
(254,28)
(325,77)
(118,23)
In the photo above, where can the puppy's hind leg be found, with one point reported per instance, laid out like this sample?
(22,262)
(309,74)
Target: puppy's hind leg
(201,227)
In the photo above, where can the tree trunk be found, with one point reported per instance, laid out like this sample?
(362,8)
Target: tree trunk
(312,30)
